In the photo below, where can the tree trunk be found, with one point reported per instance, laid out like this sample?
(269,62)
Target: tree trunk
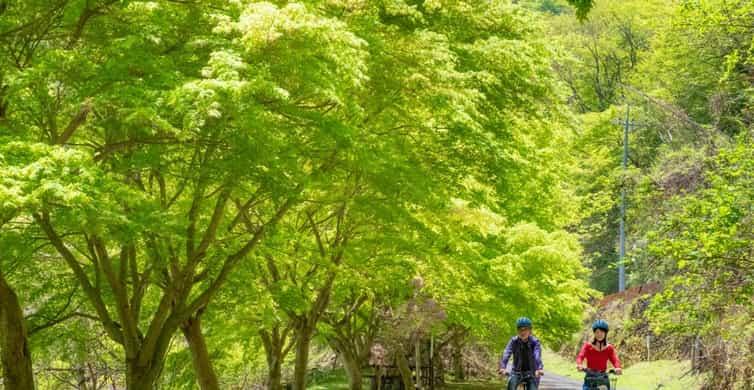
(354,357)
(352,342)
(438,366)
(14,348)
(275,373)
(140,377)
(458,371)
(144,376)
(276,347)
(82,379)
(457,353)
(303,342)
(403,367)
(205,373)
(352,364)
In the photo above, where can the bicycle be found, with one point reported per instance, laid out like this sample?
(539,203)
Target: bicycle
(525,379)
(598,380)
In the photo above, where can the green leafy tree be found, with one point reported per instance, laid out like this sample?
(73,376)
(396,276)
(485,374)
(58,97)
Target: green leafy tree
(173,168)
(708,238)
(166,150)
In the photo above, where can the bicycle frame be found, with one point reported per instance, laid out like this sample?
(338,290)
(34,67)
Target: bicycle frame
(609,379)
(524,379)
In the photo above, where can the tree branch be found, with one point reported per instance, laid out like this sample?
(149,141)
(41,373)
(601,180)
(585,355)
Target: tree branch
(57,318)
(321,247)
(211,232)
(233,259)
(99,305)
(76,122)
(87,14)
(118,287)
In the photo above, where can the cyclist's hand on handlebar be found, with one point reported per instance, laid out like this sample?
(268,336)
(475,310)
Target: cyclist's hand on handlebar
(539,373)
(579,368)
(502,371)
(618,371)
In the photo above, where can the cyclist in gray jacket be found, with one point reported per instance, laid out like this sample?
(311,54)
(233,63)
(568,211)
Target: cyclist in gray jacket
(527,356)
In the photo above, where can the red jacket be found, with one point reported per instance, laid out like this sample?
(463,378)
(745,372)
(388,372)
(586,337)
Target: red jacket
(597,360)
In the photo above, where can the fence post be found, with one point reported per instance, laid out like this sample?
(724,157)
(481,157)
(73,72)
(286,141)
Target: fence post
(432,361)
(695,354)
(418,363)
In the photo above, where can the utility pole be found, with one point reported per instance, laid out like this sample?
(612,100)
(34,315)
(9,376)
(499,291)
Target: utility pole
(627,126)
(622,251)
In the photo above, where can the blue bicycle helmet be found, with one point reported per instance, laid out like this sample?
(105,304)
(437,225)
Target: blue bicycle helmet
(600,324)
(523,322)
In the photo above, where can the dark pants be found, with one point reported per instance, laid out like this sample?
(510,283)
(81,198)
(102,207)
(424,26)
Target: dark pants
(515,378)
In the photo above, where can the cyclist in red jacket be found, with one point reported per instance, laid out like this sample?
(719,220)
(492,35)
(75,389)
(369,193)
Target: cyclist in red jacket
(598,352)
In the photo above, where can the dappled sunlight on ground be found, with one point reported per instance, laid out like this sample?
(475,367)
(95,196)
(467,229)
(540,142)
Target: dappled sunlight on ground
(487,385)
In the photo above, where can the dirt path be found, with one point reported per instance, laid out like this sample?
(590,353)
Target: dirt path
(549,382)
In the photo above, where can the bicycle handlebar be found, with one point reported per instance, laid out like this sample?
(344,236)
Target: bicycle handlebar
(527,374)
(588,371)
